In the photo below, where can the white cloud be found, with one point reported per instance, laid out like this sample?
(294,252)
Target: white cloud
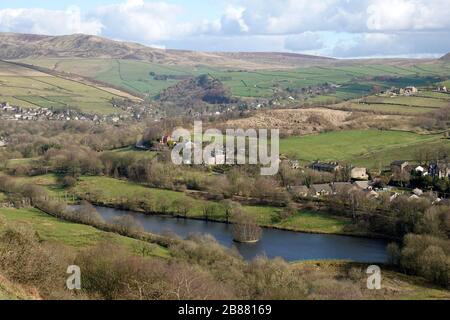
(143,21)
(405,15)
(303,42)
(51,22)
(394,44)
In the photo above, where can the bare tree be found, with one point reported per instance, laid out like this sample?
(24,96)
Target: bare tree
(245,228)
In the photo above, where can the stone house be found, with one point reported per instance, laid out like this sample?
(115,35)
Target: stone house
(321,190)
(399,165)
(359,174)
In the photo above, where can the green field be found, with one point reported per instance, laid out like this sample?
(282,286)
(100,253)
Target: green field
(28,88)
(135,76)
(71,234)
(359,147)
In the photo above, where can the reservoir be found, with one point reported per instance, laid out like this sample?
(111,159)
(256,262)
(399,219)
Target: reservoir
(289,245)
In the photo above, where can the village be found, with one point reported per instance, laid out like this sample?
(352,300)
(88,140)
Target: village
(18,113)
(418,180)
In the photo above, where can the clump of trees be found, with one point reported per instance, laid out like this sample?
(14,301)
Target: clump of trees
(424,255)
(245,228)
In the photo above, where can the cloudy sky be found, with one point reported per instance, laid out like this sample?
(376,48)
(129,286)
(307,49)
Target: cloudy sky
(338,28)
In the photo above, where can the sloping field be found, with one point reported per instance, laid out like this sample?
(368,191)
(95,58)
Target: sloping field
(139,76)
(29,88)
(360,147)
(71,234)
(423,102)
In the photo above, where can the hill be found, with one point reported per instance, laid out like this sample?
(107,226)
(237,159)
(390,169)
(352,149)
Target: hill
(195,92)
(446,57)
(31,88)
(20,46)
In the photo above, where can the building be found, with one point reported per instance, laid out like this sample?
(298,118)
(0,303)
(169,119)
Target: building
(321,190)
(399,165)
(326,166)
(420,170)
(440,169)
(408,91)
(359,174)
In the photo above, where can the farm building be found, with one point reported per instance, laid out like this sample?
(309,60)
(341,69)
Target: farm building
(359,174)
(408,91)
(399,165)
(321,189)
(325,166)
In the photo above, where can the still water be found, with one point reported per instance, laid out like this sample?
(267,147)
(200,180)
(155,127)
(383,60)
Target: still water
(289,245)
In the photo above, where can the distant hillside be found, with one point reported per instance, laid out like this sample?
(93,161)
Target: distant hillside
(446,57)
(15,46)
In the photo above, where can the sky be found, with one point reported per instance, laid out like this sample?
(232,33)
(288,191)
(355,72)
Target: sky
(335,28)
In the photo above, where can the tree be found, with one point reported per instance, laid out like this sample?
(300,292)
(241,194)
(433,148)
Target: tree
(126,224)
(231,208)
(183,205)
(245,228)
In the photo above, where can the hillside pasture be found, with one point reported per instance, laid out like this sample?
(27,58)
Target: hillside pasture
(27,88)
(75,235)
(137,76)
(372,148)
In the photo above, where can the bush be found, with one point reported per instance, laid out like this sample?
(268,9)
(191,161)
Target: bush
(68,182)
(126,225)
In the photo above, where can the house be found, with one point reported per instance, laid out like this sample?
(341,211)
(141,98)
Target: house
(294,164)
(359,174)
(418,192)
(440,169)
(321,189)
(408,91)
(300,191)
(399,165)
(419,170)
(325,166)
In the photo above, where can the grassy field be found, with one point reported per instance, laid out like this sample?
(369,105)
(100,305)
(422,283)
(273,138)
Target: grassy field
(28,88)
(68,233)
(423,102)
(359,147)
(135,76)
(131,151)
